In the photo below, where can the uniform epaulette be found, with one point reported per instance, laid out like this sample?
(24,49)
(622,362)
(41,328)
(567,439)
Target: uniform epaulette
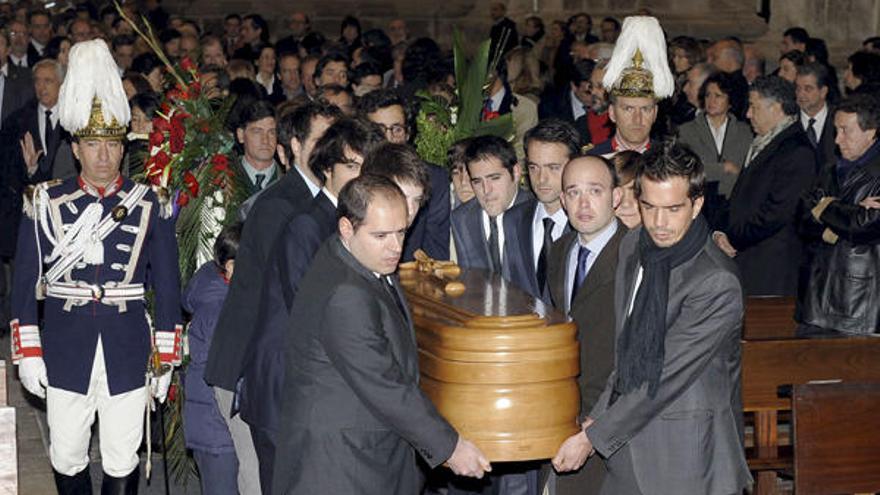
(28,196)
(586,148)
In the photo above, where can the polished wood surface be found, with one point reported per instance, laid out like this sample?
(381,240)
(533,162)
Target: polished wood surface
(837,438)
(498,364)
(774,356)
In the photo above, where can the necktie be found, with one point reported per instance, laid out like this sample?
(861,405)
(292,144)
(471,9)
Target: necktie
(580,274)
(259,178)
(545,253)
(389,286)
(811,133)
(494,251)
(50,132)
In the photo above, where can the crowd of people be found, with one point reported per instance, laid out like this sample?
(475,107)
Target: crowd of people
(664,195)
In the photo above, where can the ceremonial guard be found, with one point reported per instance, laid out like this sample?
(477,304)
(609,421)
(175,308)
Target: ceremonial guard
(89,250)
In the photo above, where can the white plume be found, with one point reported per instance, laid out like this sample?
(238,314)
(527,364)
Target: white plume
(645,34)
(91,71)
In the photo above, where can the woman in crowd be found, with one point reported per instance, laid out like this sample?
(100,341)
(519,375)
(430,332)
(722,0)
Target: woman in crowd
(143,108)
(718,137)
(266,69)
(789,63)
(205,430)
(627,211)
(58,48)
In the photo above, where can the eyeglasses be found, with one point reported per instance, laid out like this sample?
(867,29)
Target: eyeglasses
(395,130)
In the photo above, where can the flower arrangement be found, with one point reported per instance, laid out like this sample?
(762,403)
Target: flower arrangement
(441,122)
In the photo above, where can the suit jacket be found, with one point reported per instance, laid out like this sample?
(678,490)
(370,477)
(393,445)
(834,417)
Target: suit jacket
(495,34)
(280,202)
(737,140)
(826,149)
(596,334)
(430,229)
(353,415)
(17,90)
(291,257)
(56,162)
(689,438)
(522,216)
(473,250)
(761,223)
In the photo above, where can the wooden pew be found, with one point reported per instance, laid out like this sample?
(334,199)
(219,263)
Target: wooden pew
(8,450)
(771,361)
(837,438)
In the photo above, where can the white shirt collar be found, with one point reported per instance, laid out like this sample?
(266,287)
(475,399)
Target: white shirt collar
(313,188)
(330,196)
(820,120)
(496,99)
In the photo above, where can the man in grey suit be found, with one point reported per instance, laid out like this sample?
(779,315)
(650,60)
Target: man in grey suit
(581,277)
(670,418)
(484,235)
(353,415)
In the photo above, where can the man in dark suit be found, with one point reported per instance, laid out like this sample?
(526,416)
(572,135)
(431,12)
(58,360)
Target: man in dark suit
(337,159)
(18,87)
(812,87)
(670,417)
(549,146)
(21,52)
(484,235)
(430,231)
(582,267)
(572,101)
(761,228)
(503,31)
(353,415)
(256,133)
(298,131)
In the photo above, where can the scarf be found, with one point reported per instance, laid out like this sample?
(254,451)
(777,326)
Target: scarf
(844,166)
(641,345)
(761,142)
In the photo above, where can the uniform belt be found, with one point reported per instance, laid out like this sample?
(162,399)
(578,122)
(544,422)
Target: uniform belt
(107,294)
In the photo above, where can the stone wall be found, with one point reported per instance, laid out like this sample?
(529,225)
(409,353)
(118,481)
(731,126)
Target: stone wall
(843,23)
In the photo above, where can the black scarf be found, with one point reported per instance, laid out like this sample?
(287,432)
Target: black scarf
(641,345)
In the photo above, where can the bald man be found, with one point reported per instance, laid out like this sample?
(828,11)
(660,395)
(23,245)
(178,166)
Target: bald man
(581,279)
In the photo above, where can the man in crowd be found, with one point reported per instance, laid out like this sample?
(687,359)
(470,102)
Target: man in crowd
(760,229)
(97,340)
(123,51)
(503,34)
(336,159)
(237,323)
(21,52)
(430,230)
(484,236)
(256,134)
(574,101)
(727,55)
(398,31)
(300,26)
(549,146)
(352,367)
(331,69)
(291,83)
(679,308)
(845,265)
(794,38)
(40,29)
(812,89)
(581,279)
(212,52)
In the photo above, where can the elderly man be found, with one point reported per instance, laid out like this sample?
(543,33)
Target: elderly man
(93,285)
(780,165)
(842,292)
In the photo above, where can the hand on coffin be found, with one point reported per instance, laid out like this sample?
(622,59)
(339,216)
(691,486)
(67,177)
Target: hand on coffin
(574,452)
(468,460)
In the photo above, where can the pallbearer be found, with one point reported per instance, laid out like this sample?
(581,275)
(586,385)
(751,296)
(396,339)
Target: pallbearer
(84,252)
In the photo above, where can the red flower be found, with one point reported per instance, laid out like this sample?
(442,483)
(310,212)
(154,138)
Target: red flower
(160,124)
(220,163)
(195,88)
(182,200)
(156,138)
(176,139)
(487,115)
(172,392)
(162,159)
(189,180)
(187,64)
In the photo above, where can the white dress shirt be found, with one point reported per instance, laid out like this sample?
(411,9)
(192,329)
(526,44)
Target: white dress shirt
(559,223)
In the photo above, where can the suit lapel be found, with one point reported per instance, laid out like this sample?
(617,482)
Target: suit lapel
(602,270)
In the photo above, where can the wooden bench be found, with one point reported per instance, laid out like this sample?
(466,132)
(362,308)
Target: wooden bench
(774,358)
(837,438)
(8,449)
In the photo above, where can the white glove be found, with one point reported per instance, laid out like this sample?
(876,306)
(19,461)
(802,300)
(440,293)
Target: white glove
(159,386)
(32,373)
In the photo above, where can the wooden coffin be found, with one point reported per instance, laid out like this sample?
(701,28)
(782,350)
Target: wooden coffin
(498,365)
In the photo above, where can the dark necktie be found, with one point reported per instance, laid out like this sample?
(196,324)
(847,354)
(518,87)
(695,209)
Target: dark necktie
(545,253)
(580,274)
(50,130)
(494,251)
(259,178)
(389,286)
(811,133)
